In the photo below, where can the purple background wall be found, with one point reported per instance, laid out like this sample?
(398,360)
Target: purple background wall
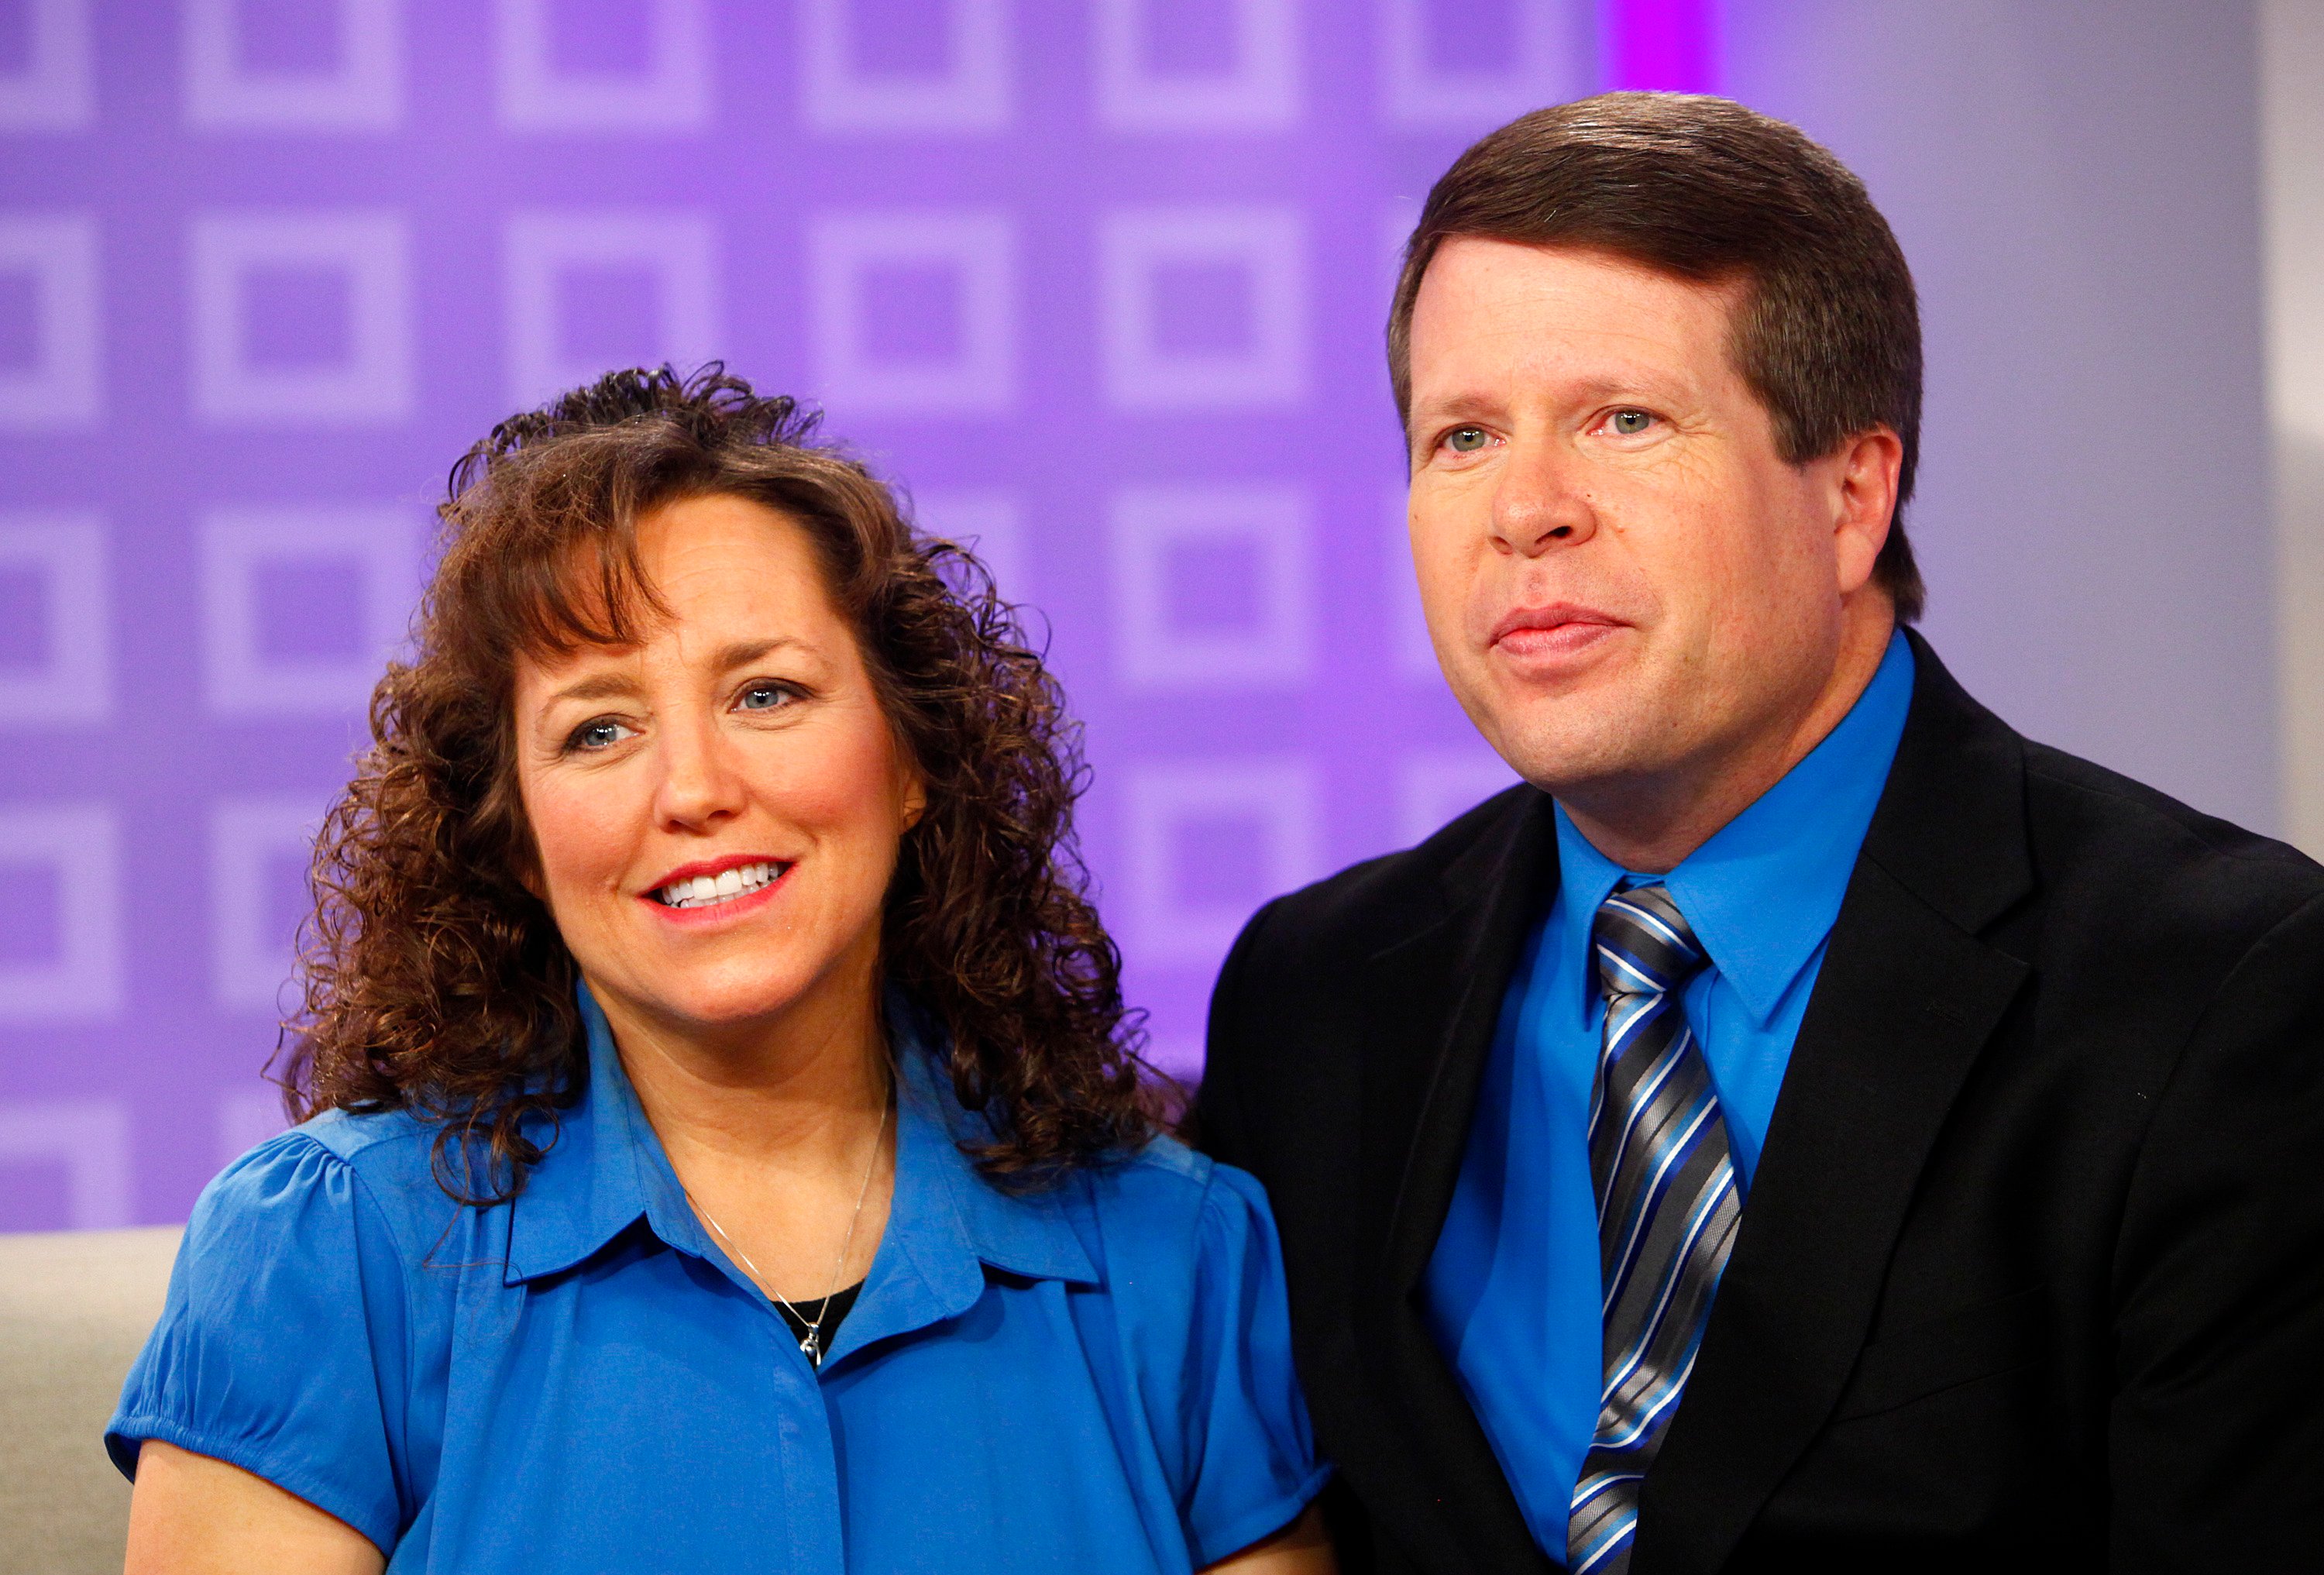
(1102,281)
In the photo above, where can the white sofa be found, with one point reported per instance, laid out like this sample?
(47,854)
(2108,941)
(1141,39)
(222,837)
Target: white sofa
(74,1307)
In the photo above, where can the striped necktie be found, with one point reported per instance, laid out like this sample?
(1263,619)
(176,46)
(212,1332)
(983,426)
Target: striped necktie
(1669,1204)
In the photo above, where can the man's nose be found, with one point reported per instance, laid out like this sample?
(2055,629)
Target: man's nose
(1541,502)
(701,783)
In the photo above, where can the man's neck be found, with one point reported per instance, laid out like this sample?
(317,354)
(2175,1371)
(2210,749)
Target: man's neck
(1651,826)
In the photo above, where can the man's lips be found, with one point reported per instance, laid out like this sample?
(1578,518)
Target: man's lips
(1556,630)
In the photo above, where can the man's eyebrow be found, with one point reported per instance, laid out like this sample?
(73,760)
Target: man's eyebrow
(1639,382)
(1454,404)
(1645,382)
(1438,412)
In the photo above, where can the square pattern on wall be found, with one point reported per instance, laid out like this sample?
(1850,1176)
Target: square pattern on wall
(1099,283)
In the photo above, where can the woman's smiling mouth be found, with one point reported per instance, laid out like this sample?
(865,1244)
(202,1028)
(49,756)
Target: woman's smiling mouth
(714,890)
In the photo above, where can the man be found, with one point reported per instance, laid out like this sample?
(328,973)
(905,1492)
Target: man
(1806,1126)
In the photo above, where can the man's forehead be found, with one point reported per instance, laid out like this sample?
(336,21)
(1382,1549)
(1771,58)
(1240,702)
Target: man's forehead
(1555,266)
(1495,309)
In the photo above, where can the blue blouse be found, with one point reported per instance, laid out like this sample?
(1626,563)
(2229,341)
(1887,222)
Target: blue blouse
(1095,1376)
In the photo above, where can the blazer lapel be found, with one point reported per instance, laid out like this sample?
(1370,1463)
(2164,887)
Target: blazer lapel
(1441,992)
(1905,1001)
(1495,894)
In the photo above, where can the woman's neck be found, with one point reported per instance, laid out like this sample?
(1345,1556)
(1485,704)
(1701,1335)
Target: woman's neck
(778,1130)
(797,1089)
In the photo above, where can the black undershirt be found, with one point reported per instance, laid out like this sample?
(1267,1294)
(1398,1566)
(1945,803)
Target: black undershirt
(801,1315)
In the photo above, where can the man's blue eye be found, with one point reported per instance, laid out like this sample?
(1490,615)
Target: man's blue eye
(1465,439)
(1630,423)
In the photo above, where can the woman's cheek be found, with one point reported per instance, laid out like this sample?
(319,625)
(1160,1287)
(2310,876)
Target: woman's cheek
(582,832)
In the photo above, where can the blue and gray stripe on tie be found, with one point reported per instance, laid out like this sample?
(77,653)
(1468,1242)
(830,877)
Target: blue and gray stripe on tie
(1668,1205)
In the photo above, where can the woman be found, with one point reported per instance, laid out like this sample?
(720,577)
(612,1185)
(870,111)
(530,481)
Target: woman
(725,1148)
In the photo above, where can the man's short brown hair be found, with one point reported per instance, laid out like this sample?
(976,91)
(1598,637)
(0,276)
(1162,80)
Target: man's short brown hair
(1829,333)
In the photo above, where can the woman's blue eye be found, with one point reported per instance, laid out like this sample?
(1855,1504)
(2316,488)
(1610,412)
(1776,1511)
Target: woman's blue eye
(764,696)
(1630,423)
(1465,439)
(602,734)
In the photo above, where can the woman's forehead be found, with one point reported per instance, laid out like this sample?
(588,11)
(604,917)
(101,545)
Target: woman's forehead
(709,587)
(735,543)
(676,561)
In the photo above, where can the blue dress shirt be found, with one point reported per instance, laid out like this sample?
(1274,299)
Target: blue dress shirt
(1513,1285)
(1095,1376)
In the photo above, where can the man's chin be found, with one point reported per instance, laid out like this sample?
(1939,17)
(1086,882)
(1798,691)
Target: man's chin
(1573,744)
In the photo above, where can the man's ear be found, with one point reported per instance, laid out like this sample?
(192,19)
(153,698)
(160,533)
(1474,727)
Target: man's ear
(1865,476)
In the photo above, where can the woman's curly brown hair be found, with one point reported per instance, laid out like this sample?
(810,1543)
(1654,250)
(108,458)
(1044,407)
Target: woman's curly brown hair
(436,982)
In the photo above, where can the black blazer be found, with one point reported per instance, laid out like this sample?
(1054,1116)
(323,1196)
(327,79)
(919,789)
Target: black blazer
(2032,1272)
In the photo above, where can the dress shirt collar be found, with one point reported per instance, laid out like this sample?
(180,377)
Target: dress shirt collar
(606,1169)
(1762,893)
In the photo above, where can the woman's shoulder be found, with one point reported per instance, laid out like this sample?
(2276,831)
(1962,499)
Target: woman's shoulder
(1166,1200)
(374,1137)
(325,1168)
(1193,1274)
(1165,1172)
(291,1315)
(372,1144)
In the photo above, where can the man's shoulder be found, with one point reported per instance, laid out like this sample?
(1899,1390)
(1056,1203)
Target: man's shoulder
(1375,904)
(2117,847)
(2064,861)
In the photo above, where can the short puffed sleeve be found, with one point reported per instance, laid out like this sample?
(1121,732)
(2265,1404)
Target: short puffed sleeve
(1249,1443)
(281,1343)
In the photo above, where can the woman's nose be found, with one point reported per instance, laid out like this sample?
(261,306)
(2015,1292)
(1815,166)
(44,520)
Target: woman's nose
(700,783)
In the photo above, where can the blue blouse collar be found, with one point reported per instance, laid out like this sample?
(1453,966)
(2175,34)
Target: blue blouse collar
(607,1170)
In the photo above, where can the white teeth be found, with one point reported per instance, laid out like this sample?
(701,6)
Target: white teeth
(703,890)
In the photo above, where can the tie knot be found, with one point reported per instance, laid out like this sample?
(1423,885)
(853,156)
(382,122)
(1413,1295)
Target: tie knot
(1644,945)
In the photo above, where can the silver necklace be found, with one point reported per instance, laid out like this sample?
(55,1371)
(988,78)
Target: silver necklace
(813,1342)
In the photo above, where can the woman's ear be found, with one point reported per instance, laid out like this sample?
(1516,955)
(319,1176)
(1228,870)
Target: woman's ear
(916,799)
(524,865)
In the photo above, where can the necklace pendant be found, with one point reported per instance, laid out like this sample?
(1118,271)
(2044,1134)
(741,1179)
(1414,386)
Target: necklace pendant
(813,1345)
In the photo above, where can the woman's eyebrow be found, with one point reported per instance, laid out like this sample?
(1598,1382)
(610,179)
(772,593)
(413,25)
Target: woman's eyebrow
(605,686)
(742,653)
(615,684)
